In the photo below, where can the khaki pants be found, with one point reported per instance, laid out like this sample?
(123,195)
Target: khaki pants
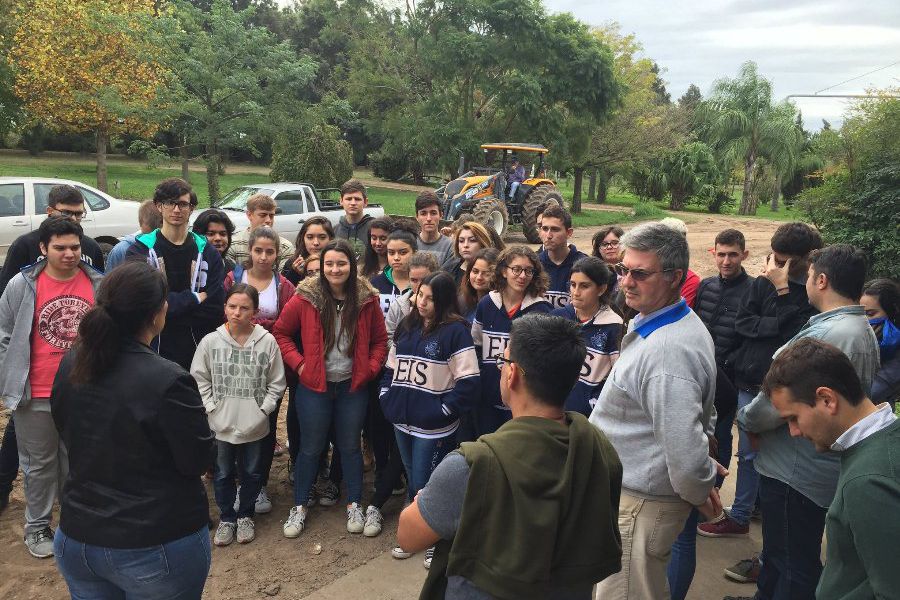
(648,529)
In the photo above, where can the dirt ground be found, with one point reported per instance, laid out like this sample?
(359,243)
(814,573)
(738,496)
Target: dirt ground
(275,566)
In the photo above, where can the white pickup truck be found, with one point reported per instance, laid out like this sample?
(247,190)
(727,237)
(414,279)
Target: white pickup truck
(296,203)
(23,206)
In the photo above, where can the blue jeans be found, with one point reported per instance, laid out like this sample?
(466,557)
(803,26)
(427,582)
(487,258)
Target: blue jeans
(512,189)
(683,561)
(792,530)
(316,411)
(175,570)
(747,484)
(421,457)
(249,458)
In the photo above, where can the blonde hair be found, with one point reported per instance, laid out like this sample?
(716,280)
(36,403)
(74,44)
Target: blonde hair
(478,230)
(260,202)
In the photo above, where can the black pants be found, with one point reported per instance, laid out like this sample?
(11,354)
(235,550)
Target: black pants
(267,451)
(9,459)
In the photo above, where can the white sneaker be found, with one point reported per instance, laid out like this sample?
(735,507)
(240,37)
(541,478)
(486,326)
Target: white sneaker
(399,553)
(429,554)
(263,504)
(374,519)
(355,520)
(246,530)
(294,524)
(224,533)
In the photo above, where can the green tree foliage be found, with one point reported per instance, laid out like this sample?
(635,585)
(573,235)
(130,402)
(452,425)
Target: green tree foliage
(317,155)
(690,172)
(743,124)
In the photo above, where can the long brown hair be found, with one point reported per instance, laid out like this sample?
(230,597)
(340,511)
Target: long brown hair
(350,310)
(300,245)
(468,296)
(443,294)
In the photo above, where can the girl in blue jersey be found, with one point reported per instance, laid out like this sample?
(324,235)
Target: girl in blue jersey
(477,281)
(520,285)
(394,280)
(601,329)
(431,376)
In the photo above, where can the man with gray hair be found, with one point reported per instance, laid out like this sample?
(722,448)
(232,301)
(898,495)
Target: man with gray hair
(656,409)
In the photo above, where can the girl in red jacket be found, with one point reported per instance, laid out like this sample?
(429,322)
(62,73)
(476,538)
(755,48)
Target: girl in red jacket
(342,346)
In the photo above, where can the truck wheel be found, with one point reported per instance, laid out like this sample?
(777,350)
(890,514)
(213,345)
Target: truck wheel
(536,199)
(491,212)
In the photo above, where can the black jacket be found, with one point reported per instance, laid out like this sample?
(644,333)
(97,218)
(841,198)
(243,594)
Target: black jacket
(717,303)
(765,322)
(26,250)
(138,442)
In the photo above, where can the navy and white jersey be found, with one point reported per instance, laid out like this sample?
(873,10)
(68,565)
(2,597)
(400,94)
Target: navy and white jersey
(429,380)
(490,332)
(601,334)
(387,289)
(558,291)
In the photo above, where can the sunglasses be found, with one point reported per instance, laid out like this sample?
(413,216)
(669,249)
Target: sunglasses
(636,274)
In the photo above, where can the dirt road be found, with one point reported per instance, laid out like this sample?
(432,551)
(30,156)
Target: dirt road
(275,566)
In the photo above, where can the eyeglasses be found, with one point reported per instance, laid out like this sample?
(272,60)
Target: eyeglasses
(636,274)
(609,244)
(176,204)
(517,270)
(501,360)
(69,214)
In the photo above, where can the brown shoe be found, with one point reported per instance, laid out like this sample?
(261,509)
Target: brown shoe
(745,571)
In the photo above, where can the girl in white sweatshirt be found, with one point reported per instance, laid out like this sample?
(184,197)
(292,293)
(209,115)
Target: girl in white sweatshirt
(240,375)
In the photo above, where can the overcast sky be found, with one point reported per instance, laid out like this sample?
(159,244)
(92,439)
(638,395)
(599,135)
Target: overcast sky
(802,46)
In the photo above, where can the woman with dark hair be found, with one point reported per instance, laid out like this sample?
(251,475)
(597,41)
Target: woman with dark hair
(881,299)
(519,283)
(218,229)
(342,346)
(314,234)
(606,246)
(468,240)
(601,329)
(134,513)
(393,281)
(479,280)
(430,378)
(375,259)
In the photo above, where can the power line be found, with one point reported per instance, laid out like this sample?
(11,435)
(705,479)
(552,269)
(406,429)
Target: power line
(859,77)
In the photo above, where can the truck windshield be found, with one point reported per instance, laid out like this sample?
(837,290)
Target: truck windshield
(237,199)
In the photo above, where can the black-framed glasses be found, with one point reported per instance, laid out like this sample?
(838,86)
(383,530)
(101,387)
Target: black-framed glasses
(517,270)
(636,274)
(501,360)
(614,244)
(69,214)
(172,203)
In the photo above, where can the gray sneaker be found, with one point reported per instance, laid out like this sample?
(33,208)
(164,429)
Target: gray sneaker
(328,493)
(356,522)
(295,522)
(40,543)
(263,504)
(224,533)
(246,530)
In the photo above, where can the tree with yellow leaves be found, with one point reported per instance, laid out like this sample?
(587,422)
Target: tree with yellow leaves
(85,65)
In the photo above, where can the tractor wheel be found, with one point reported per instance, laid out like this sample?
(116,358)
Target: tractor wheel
(491,212)
(536,199)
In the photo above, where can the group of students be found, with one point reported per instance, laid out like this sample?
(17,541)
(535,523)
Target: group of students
(375,329)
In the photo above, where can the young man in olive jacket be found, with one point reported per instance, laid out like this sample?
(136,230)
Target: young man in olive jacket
(529,511)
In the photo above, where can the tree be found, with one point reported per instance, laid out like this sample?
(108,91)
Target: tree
(317,155)
(743,124)
(234,83)
(86,65)
(688,172)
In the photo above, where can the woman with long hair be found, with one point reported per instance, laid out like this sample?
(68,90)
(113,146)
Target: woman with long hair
(314,234)
(342,346)
(430,378)
(375,259)
(138,442)
(519,283)
(478,281)
(468,240)
(601,329)
(881,299)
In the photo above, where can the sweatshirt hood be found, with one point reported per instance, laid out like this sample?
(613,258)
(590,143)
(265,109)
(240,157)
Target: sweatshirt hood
(497,299)
(255,335)
(365,219)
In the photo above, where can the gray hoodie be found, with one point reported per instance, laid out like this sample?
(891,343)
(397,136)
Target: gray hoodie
(16,321)
(240,385)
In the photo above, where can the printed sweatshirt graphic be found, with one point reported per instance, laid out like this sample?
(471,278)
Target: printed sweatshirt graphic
(240,385)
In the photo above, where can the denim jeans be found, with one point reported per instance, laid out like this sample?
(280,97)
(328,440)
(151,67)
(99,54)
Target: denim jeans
(747,484)
(683,561)
(249,459)
(9,458)
(421,457)
(792,530)
(176,570)
(317,411)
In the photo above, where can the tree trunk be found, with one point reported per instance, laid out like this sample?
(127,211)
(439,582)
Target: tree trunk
(185,160)
(747,195)
(212,170)
(102,142)
(576,193)
(592,186)
(602,187)
(776,193)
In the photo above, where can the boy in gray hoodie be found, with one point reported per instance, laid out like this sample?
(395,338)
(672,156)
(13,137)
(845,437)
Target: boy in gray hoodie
(240,375)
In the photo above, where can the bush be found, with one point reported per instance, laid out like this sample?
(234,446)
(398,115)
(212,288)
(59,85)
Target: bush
(647,211)
(387,165)
(317,155)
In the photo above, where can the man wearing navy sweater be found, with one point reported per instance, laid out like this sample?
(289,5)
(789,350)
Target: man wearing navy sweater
(558,255)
